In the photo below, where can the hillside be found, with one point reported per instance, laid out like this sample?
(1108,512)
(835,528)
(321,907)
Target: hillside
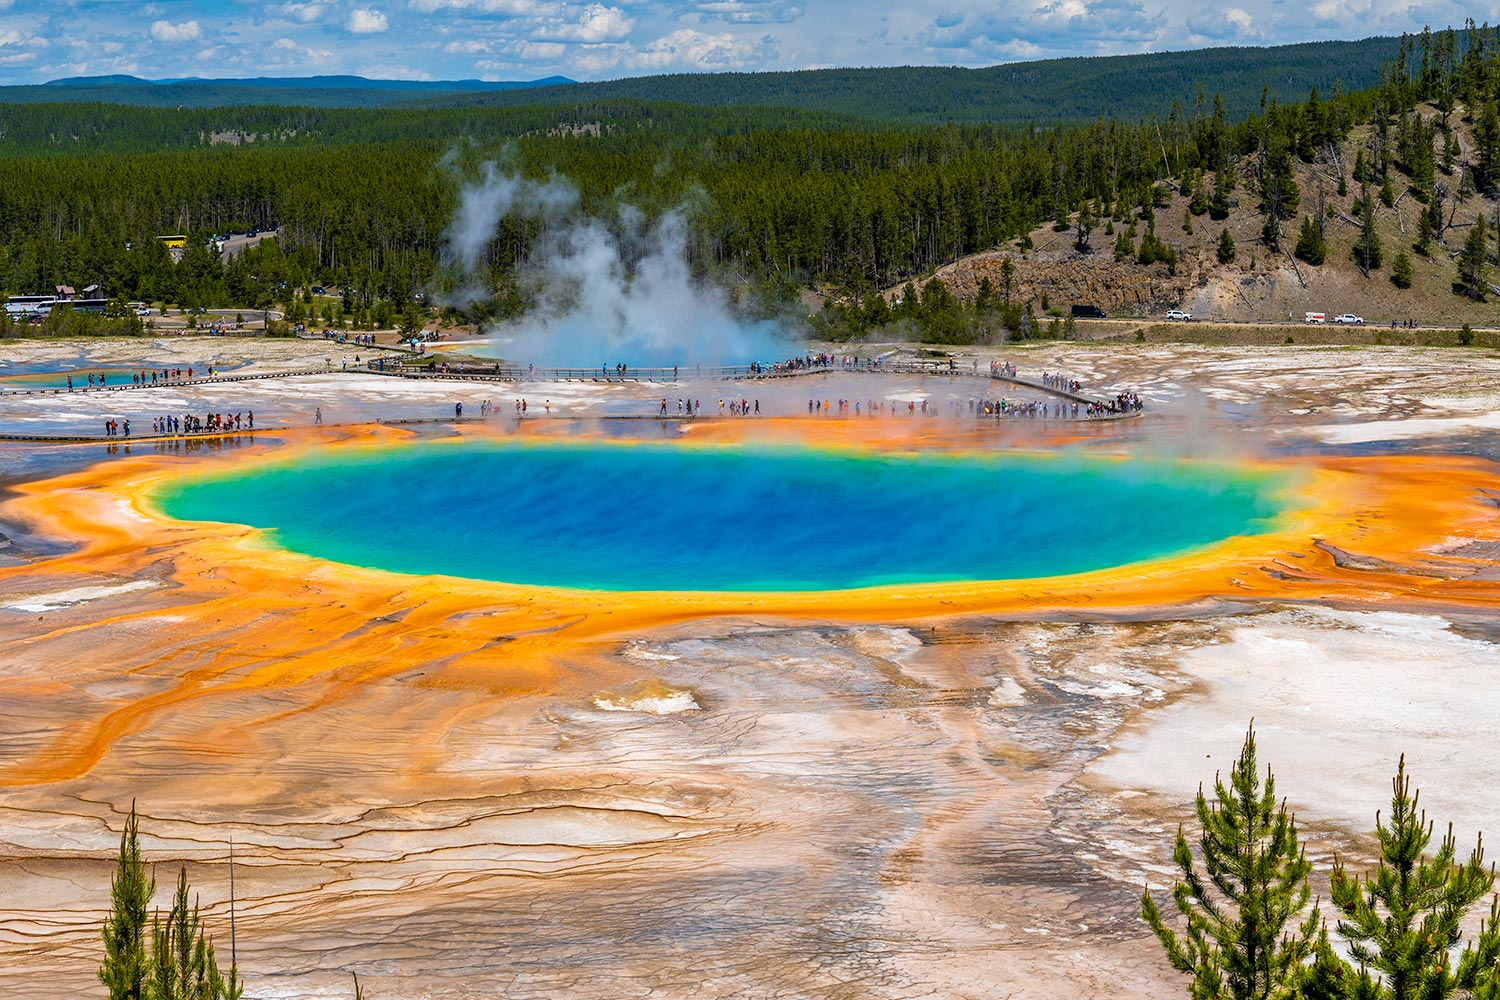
(780,200)
(1051,90)
(312,92)
(1260,284)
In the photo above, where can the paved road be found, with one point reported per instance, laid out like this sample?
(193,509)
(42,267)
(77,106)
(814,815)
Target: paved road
(235,244)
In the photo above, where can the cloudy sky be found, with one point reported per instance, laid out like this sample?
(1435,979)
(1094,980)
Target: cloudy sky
(524,39)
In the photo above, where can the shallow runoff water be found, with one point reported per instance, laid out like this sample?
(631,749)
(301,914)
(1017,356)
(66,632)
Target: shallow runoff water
(638,516)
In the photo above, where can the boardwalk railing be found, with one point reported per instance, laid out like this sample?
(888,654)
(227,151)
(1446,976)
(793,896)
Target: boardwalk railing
(169,383)
(511,373)
(1099,407)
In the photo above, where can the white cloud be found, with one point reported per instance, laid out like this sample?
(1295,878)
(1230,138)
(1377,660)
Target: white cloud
(392,72)
(689,49)
(1049,27)
(538,51)
(303,13)
(1223,23)
(368,21)
(166,31)
(748,11)
(298,53)
(595,23)
(508,8)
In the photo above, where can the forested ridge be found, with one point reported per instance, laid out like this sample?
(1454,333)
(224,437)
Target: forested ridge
(1074,89)
(323,92)
(1045,91)
(780,199)
(73,128)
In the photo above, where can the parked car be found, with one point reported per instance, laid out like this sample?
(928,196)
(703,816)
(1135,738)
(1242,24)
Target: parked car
(1178,314)
(1088,312)
(1349,319)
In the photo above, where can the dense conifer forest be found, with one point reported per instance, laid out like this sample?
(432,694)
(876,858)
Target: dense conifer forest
(1043,91)
(779,199)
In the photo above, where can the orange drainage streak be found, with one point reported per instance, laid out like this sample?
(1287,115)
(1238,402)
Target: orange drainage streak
(258,619)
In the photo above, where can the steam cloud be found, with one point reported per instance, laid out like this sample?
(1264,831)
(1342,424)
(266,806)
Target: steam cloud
(603,296)
(481,206)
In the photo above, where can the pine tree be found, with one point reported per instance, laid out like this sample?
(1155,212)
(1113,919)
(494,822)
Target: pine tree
(1401,270)
(1329,977)
(1473,272)
(1487,144)
(1218,205)
(1403,919)
(1242,940)
(184,965)
(1226,247)
(1423,245)
(1310,246)
(123,971)
(180,963)
(1367,249)
(1083,228)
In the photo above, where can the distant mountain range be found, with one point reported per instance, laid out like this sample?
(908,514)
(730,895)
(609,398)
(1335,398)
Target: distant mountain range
(1052,90)
(304,91)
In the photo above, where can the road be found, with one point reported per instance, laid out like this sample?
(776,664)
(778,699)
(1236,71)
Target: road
(234,244)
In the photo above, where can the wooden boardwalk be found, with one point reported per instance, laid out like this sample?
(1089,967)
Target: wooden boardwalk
(511,375)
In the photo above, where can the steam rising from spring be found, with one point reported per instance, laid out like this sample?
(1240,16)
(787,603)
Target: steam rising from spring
(603,294)
(481,206)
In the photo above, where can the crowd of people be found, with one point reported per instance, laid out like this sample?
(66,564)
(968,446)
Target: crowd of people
(189,423)
(1076,406)
(1061,383)
(487,408)
(340,337)
(811,361)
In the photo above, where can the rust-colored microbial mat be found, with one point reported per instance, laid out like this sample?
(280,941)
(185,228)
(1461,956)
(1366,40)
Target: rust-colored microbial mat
(463,788)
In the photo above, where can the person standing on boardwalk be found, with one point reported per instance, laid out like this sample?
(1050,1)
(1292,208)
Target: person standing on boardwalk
(318,415)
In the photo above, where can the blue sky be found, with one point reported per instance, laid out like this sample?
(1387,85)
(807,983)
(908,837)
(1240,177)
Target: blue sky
(601,39)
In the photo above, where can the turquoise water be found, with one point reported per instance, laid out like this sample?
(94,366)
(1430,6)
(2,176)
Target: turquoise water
(59,379)
(663,517)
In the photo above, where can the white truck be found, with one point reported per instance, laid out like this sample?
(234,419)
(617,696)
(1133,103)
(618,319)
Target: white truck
(1349,319)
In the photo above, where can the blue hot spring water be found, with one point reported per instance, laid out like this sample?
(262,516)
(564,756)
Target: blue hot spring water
(634,516)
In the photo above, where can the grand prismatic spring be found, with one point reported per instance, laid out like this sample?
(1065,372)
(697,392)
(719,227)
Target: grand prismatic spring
(613,516)
(887,706)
